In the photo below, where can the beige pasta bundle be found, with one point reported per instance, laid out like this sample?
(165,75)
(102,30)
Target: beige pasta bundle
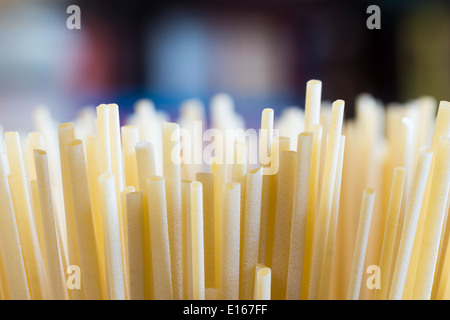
(311,205)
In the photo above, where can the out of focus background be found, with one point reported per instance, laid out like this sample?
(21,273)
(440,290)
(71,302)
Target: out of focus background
(262,52)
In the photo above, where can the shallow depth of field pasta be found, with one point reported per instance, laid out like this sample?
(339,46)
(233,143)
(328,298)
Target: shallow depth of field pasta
(311,205)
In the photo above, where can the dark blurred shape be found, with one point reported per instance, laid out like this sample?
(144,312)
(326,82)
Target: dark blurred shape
(39,60)
(423,52)
(261,52)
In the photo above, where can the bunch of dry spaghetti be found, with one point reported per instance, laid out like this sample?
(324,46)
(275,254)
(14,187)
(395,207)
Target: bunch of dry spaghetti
(309,207)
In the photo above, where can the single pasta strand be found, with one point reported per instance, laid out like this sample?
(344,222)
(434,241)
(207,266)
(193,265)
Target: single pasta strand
(93,171)
(10,243)
(219,171)
(410,224)
(299,212)
(34,190)
(279,145)
(188,289)
(266,138)
(198,267)
(262,282)
(229,289)
(130,137)
(104,142)
(268,207)
(434,221)
(348,219)
(104,162)
(66,134)
(117,168)
(325,121)
(325,281)
(207,181)
(362,236)
(239,171)
(172,178)
(123,235)
(268,197)
(440,278)
(146,168)
(312,103)
(159,239)
(59,207)
(390,233)
(444,286)
(445,292)
(251,216)
(54,261)
(135,241)
(312,208)
(326,197)
(111,232)
(116,149)
(84,220)
(32,255)
(283,220)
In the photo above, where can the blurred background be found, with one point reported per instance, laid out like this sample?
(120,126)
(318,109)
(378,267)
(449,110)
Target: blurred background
(262,52)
